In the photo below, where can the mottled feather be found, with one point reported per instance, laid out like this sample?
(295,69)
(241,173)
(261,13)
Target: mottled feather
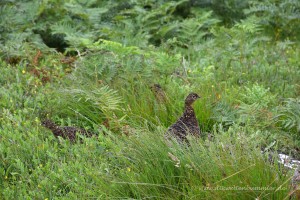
(66,132)
(187,123)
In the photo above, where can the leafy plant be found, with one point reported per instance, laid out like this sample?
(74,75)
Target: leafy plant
(257,95)
(280,17)
(289,115)
(230,10)
(225,114)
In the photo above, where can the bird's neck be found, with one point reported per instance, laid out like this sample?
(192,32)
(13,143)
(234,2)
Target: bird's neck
(56,130)
(52,126)
(55,127)
(188,110)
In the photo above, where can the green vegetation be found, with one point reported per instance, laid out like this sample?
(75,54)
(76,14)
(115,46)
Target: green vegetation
(91,64)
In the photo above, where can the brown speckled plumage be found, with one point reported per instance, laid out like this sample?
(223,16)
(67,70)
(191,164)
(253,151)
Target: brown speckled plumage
(66,132)
(187,123)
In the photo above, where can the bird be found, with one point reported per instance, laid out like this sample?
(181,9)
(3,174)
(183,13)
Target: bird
(187,123)
(159,93)
(66,132)
(296,183)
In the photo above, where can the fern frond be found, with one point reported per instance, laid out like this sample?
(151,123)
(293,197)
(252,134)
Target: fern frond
(289,115)
(64,28)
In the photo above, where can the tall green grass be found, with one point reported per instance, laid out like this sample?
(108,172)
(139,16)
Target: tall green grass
(142,165)
(249,88)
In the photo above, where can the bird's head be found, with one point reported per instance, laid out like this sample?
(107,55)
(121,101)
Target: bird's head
(48,123)
(155,87)
(191,98)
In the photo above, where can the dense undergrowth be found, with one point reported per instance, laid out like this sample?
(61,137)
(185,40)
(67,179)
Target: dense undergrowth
(93,64)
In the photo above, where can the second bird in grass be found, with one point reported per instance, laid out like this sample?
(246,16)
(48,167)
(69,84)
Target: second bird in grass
(66,132)
(159,93)
(187,123)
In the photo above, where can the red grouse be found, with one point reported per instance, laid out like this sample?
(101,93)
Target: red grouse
(66,132)
(187,123)
(159,93)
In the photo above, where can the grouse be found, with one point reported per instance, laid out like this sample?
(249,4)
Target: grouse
(66,132)
(159,93)
(187,123)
